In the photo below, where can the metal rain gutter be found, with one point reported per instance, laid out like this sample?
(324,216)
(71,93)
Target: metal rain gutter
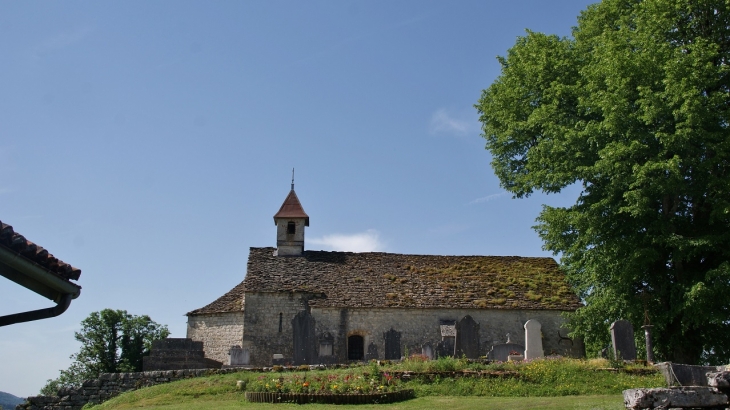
(33,277)
(61,307)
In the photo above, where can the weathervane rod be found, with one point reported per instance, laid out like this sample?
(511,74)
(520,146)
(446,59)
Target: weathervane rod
(292,179)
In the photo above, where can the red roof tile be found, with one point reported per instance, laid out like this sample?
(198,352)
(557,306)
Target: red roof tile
(17,243)
(292,208)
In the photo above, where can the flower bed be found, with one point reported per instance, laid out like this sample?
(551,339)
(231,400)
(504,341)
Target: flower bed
(333,383)
(329,398)
(482,374)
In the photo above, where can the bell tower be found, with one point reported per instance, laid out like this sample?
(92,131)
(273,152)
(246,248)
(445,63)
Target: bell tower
(290,222)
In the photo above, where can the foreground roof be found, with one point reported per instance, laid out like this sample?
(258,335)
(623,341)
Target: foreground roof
(32,267)
(16,243)
(376,279)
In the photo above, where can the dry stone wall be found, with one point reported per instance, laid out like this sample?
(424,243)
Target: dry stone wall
(109,385)
(218,332)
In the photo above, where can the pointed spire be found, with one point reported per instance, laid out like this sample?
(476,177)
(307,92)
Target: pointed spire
(292,208)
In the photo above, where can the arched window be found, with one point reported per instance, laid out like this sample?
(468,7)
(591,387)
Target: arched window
(291,228)
(355,348)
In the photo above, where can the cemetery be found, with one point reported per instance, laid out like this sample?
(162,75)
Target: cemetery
(423,373)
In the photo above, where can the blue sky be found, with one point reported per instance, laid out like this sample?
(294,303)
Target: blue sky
(151,143)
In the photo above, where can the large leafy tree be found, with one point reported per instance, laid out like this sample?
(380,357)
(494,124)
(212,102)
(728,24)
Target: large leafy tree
(112,341)
(634,108)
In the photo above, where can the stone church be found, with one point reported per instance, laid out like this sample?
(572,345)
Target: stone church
(300,306)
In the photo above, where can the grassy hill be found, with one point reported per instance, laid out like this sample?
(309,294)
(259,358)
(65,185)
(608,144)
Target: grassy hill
(556,384)
(8,401)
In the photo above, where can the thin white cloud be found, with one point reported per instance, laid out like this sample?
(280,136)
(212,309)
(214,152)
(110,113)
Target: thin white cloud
(488,198)
(445,122)
(368,241)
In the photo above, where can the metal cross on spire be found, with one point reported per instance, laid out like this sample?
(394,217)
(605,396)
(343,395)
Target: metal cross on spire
(292,179)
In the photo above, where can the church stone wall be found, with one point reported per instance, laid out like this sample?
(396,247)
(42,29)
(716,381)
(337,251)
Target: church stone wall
(417,326)
(218,332)
(262,336)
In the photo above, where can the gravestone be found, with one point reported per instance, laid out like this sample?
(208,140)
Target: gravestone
(448,329)
(392,344)
(427,350)
(677,374)
(326,343)
(622,338)
(238,356)
(445,348)
(467,338)
(305,341)
(278,359)
(533,340)
(372,353)
(500,351)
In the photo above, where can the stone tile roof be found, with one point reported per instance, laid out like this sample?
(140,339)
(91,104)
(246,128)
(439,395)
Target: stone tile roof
(230,302)
(292,208)
(345,279)
(17,243)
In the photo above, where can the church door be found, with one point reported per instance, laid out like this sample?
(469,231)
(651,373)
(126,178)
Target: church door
(355,348)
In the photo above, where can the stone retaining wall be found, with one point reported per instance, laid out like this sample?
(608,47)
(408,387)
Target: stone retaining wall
(109,385)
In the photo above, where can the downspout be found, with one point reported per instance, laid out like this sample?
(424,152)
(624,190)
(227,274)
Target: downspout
(61,307)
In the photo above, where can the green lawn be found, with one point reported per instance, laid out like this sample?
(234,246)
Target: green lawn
(606,402)
(543,384)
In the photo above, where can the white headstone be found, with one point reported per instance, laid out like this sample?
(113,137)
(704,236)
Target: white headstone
(533,340)
(427,351)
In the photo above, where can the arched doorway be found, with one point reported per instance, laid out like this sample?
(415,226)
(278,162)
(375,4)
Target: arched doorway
(355,348)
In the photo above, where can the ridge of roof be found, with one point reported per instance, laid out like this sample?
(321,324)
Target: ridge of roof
(15,242)
(292,208)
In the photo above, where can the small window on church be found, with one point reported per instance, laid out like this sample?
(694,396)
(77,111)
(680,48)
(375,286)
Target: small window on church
(291,228)
(281,321)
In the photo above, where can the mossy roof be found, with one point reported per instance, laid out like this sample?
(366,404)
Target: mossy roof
(376,279)
(232,301)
